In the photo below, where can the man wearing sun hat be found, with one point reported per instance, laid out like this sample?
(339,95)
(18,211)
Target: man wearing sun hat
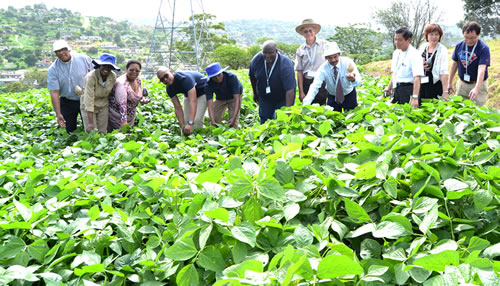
(94,104)
(228,90)
(65,81)
(341,77)
(309,57)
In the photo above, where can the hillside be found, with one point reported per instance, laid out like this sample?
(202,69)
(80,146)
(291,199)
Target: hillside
(384,67)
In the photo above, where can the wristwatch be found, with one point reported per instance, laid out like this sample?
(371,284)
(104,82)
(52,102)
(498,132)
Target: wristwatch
(190,122)
(415,96)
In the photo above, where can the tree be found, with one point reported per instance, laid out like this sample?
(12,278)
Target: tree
(414,14)
(230,55)
(288,50)
(360,43)
(486,13)
(251,52)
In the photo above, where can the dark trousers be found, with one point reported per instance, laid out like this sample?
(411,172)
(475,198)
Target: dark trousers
(70,110)
(322,93)
(350,101)
(430,90)
(267,109)
(403,93)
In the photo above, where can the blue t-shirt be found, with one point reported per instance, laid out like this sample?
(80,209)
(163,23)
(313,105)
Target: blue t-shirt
(185,81)
(64,76)
(481,56)
(230,85)
(281,80)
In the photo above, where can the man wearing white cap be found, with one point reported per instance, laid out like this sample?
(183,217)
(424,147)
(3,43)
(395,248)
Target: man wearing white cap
(341,76)
(308,58)
(65,81)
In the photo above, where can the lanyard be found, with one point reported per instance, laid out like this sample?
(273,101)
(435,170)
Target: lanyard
(467,55)
(69,75)
(427,53)
(311,60)
(268,75)
(402,61)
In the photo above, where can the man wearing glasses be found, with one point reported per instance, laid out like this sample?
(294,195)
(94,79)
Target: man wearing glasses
(309,57)
(192,85)
(65,81)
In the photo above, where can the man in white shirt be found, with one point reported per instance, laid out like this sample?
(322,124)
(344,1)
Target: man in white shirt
(341,77)
(407,68)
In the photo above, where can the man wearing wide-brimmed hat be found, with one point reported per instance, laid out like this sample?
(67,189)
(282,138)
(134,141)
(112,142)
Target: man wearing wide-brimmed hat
(341,77)
(65,80)
(309,57)
(228,90)
(94,104)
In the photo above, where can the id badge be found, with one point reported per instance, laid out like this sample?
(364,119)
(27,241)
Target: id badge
(268,90)
(424,79)
(466,77)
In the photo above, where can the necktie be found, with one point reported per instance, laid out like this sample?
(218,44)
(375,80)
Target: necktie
(339,93)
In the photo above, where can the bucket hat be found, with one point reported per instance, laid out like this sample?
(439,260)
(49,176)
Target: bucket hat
(106,59)
(308,22)
(214,69)
(331,48)
(59,45)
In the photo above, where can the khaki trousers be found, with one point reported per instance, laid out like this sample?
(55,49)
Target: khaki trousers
(220,108)
(463,89)
(201,108)
(100,118)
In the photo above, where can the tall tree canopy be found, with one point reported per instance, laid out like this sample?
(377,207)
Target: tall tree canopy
(486,13)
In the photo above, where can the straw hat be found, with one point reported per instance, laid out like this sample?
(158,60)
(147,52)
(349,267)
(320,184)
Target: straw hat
(308,22)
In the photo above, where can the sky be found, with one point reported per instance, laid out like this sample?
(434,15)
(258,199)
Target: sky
(329,12)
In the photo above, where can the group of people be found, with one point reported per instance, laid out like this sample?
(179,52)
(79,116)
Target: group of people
(106,102)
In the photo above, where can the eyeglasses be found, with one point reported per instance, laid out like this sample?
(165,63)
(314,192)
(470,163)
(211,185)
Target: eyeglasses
(164,78)
(307,31)
(132,70)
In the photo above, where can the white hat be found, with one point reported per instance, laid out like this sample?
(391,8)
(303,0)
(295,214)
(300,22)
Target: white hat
(331,48)
(60,44)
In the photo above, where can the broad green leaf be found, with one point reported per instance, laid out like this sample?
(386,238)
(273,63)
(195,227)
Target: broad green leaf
(367,170)
(370,249)
(16,225)
(132,146)
(94,212)
(334,266)
(271,188)
(390,186)
(492,251)
(218,213)
(241,188)
(423,204)
(302,236)
(11,248)
(324,128)
(401,275)
(38,249)
(238,270)
(213,175)
(420,275)
(291,211)
(181,250)
(477,243)
(445,279)
(389,230)
(482,198)
(355,211)
(252,210)
(455,185)
(94,268)
(239,252)
(299,163)
(25,212)
(429,148)
(437,262)
(283,172)
(429,220)
(205,232)
(188,276)
(210,258)
(245,232)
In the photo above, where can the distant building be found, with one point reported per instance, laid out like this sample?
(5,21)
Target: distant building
(11,76)
(44,63)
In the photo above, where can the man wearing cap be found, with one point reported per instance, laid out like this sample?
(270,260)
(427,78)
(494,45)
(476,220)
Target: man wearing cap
(98,84)
(273,81)
(341,77)
(192,85)
(228,89)
(407,68)
(65,81)
(471,58)
(309,57)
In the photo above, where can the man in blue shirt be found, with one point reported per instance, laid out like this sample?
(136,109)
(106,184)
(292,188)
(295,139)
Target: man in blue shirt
(273,81)
(228,89)
(65,81)
(192,85)
(471,58)
(341,76)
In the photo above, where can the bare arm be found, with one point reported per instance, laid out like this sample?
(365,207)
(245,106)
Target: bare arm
(178,111)
(388,89)
(237,107)
(253,81)
(453,71)
(54,96)
(416,90)
(444,83)
(290,97)
(210,105)
(300,83)
(479,82)
(193,100)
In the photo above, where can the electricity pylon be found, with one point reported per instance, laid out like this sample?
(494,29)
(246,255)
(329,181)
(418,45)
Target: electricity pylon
(181,31)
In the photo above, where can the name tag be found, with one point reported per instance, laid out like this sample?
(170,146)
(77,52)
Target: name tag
(466,77)
(424,79)
(268,90)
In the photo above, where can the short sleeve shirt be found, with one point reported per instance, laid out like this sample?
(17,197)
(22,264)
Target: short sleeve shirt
(481,56)
(64,76)
(307,60)
(230,85)
(406,65)
(185,81)
(282,78)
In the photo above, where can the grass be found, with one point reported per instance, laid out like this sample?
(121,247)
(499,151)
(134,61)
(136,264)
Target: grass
(384,68)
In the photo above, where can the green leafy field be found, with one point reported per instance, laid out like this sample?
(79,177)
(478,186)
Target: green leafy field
(383,195)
